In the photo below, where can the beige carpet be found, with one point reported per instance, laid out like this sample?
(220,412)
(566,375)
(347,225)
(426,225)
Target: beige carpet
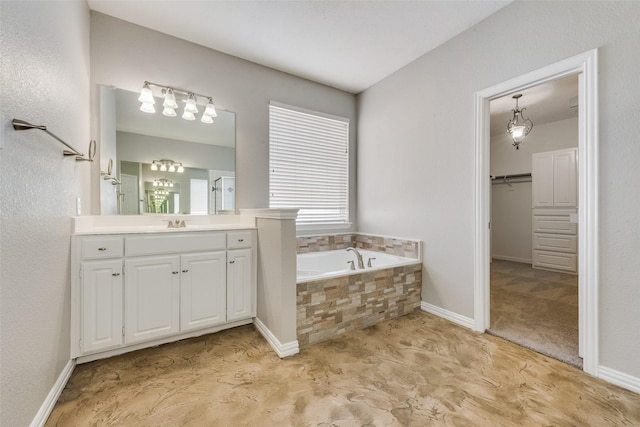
(535,308)
(417,370)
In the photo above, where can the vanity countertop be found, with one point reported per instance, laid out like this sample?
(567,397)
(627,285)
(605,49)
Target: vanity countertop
(88,225)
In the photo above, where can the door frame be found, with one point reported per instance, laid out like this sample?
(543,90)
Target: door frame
(588,250)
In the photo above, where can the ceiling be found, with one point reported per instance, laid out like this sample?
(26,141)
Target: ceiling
(350,45)
(545,103)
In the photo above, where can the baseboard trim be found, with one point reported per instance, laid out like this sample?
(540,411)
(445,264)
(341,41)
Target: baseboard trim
(51,399)
(513,258)
(446,314)
(620,379)
(282,350)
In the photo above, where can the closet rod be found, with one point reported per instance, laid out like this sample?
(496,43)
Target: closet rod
(516,175)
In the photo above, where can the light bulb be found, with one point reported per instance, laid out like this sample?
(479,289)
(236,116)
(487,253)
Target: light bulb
(154,166)
(169,112)
(170,99)
(147,107)
(206,118)
(210,109)
(146,95)
(172,168)
(163,168)
(188,116)
(191,105)
(171,184)
(155,183)
(180,168)
(517,133)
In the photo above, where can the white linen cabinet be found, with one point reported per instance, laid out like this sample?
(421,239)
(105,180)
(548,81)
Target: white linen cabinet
(555,203)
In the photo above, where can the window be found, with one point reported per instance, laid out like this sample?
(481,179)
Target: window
(309,164)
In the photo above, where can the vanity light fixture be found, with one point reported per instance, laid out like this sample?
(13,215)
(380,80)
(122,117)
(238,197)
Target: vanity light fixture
(171,98)
(162,182)
(518,127)
(165,165)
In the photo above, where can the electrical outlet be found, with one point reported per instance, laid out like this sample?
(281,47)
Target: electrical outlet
(78,206)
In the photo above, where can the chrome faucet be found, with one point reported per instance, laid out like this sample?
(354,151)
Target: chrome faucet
(358,256)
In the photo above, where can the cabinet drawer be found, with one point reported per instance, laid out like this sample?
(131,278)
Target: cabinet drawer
(193,242)
(556,242)
(240,239)
(553,224)
(555,261)
(101,247)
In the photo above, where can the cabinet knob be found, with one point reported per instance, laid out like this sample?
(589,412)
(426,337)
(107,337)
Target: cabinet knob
(185,271)
(102,249)
(175,272)
(231,262)
(240,240)
(115,274)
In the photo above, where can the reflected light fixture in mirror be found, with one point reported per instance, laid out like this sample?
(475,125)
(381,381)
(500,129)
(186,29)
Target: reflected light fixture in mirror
(162,182)
(165,165)
(170,103)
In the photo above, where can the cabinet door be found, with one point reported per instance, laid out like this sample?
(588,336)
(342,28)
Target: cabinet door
(203,290)
(542,179)
(240,288)
(152,288)
(565,188)
(101,292)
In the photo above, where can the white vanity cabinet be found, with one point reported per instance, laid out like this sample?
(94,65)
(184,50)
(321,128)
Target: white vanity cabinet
(102,303)
(203,295)
(240,276)
(140,290)
(152,297)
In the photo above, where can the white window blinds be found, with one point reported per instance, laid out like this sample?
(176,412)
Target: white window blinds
(309,164)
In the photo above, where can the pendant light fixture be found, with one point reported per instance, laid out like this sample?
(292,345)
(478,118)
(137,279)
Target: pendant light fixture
(172,97)
(519,126)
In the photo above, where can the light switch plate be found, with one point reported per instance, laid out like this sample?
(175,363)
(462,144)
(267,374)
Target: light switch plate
(78,206)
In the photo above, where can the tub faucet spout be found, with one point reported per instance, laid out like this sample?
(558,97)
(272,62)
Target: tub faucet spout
(359,257)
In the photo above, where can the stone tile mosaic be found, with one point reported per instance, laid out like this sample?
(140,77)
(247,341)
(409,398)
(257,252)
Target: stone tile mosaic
(326,308)
(389,245)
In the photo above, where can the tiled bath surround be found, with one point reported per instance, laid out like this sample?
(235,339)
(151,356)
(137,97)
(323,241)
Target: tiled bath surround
(328,307)
(390,245)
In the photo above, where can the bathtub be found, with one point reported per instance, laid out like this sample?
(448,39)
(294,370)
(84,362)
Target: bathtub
(332,299)
(326,264)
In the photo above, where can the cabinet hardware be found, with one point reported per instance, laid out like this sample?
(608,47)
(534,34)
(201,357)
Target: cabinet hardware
(231,262)
(185,271)
(115,274)
(102,249)
(241,240)
(175,272)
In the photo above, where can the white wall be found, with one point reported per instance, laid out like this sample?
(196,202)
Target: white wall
(125,55)
(511,233)
(417,126)
(44,80)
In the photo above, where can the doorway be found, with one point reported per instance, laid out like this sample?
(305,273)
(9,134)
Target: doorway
(586,65)
(533,272)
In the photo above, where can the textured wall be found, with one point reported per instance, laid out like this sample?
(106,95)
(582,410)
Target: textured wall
(44,80)
(125,55)
(429,150)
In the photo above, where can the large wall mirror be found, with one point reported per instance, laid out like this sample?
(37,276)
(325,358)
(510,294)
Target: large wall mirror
(163,165)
